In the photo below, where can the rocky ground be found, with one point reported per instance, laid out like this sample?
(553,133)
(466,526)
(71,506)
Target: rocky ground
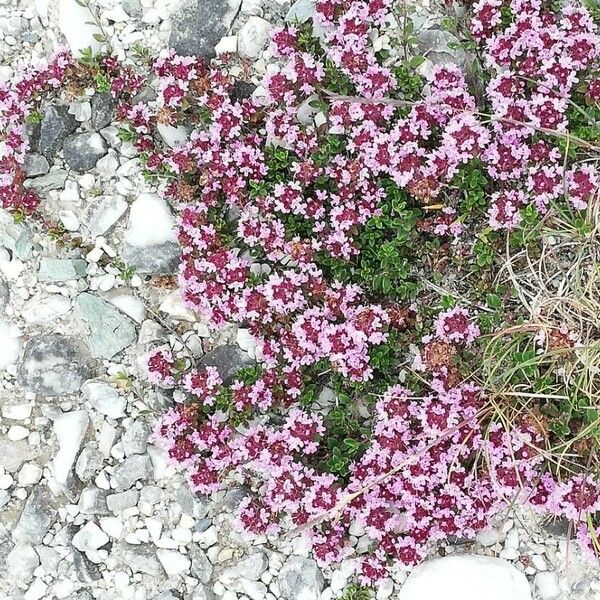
(88,507)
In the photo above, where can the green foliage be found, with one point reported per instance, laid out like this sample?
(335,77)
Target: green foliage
(356,592)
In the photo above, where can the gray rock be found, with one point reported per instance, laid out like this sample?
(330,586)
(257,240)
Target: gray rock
(111,331)
(134,468)
(55,180)
(102,213)
(192,504)
(93,501)
(4,295)
(35,165)
(135,438)
(90,461)
(82,595)
(251,567)
(118,502)
(141,558)
(199,25)
(168,595)
(303,11)
(228,360)
(15,237)
(435,45)
(150,243)
(37,517)
(103,107)
(202,592)
(132,7)
(32,135)
(241,90)
(22,561)
(54,365)
(57,124)
(13,453)
(300,579)
(201,568)
(61,269)
(83,150)
(152,494)
(4,498)
(85,570)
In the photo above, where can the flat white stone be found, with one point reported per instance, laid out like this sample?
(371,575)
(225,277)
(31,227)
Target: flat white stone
(76,24)
(10,342)
(150,222)
(466,577)
(69,429)
(90,537)
(173,562)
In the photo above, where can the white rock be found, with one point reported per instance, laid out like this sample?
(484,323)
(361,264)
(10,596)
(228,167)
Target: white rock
(17,432)
(112,526)
(466,578)
(133,307)
(10,342)
(253,37)
(90,537)
(173,305)
(150,222)
(16,412)
(117,14)
(76,24)
(246,341)
(227,45)
(172,135)
(43,310)
(173,562)
(69,220)
(82,111)
(546,585)
(6,481)
(70,429)
(104,398)
(29,474)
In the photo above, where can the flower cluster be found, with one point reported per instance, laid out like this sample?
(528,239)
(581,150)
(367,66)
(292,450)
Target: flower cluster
(17,99)
(537,61)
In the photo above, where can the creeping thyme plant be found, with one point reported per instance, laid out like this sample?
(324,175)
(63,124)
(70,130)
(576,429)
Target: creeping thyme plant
(353,217)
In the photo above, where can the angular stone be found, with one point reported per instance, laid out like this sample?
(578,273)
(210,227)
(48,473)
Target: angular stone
(135,438)
(173,562)
(103,107)
(44,310)
(251,567)
(202,592)
(102,213)
(90,537)
(253,37)
(466,577)
(241,90)
(110,330)
(61,269)
(55,180)
(37,517)
(104,398)
(54,365)
(141,558)
(228,360)
(135,468)
(150,243)
(13,453)
(35,165)
(15,237)
(57,124)
(301,579)
(201,568)
(21,562)
(83,150)
(90,461)
(118,502)
(435,45)
(92,501)
(4,295)
(70,429)
(199,25)
(85,570)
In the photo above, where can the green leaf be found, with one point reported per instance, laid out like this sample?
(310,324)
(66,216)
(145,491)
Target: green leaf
(100,37)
